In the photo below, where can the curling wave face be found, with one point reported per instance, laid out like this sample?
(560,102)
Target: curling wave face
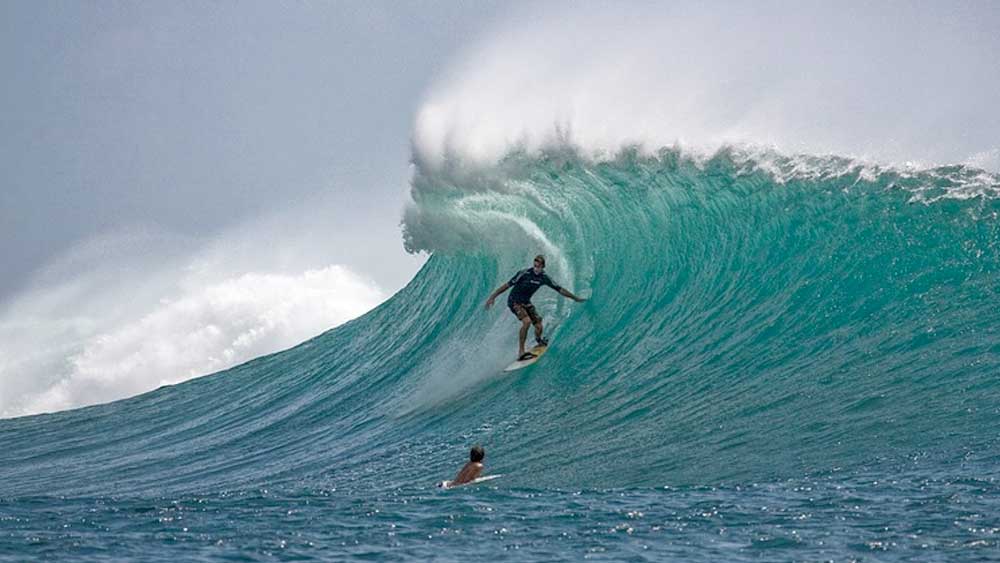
(752,316)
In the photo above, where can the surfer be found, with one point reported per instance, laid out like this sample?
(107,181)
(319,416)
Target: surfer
(526,283)
(471,470)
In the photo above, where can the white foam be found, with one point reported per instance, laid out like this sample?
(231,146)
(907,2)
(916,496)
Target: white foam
(127,312)
(87,359)
(889,83)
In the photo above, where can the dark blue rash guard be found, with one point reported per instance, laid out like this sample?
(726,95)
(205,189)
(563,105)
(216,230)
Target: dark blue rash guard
(525,283)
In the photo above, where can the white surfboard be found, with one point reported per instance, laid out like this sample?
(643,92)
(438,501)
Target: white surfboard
(476,481)
(537,351)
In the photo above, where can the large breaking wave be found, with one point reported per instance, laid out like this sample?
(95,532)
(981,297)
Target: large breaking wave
(750,312)
(752,316)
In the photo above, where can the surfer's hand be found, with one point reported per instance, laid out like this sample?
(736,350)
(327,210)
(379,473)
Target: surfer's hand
(489,302)
(581,299)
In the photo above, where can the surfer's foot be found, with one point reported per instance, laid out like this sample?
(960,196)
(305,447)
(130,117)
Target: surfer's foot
(525,356)
(542,341)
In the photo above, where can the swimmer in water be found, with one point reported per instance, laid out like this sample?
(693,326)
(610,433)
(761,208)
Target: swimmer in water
(472,470)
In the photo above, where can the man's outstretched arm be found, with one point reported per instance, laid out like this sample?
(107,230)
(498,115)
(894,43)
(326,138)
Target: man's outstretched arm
(566,293)
(499,290)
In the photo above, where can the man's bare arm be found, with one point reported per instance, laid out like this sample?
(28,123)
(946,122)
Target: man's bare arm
(566,293)
(499,290)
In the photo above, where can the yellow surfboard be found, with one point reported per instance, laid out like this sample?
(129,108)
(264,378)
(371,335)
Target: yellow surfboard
(537,351)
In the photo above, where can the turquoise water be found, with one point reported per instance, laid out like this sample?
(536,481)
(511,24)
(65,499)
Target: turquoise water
(782,358)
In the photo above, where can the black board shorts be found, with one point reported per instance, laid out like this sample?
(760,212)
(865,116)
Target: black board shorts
(522,310)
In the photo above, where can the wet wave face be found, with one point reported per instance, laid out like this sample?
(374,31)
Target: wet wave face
(751,315)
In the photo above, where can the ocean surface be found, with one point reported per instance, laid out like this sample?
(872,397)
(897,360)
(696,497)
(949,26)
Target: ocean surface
(783,358)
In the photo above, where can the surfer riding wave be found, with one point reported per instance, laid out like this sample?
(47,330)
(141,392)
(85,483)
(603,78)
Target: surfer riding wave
(525,283)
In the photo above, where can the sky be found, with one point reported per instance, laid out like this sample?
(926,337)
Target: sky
(190,117)
(200,182)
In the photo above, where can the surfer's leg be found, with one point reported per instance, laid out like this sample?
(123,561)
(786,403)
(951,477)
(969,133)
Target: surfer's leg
(521,312)
(536,320)
(525,323)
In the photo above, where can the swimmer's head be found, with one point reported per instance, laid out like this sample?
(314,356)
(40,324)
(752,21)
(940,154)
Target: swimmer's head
(477,453)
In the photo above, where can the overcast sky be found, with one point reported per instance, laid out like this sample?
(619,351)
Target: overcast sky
(189,117)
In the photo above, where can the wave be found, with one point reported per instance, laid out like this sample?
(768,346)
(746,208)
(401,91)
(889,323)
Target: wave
(751,316)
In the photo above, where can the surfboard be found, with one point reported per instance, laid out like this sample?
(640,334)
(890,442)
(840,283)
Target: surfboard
(476,481)
(537,351)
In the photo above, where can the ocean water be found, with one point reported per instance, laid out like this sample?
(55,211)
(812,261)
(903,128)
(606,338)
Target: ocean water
(783,357)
